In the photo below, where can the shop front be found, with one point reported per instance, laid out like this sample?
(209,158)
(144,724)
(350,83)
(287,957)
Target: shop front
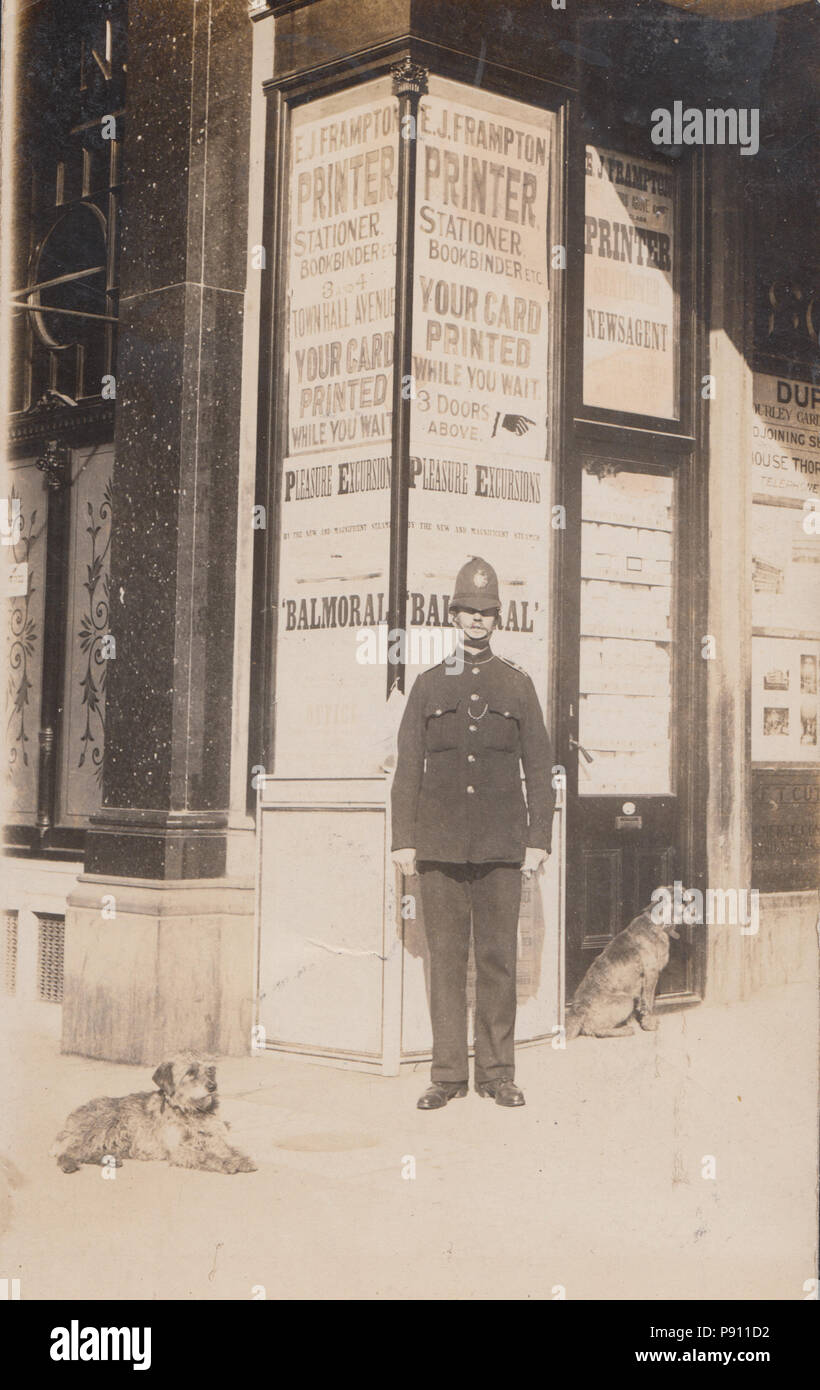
(426,288)
(478,338)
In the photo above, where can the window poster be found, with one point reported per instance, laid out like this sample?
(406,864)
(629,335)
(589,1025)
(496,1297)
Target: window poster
(785,438)
(335,480)
(785,461)
(785,570)
(627,566)
(785,700)
(481,477)
(630,278)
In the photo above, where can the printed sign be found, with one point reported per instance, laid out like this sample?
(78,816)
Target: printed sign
(785,829)
(335,482)
(481,298)
(784,700)
(480,480)
(785,438)
(785,571)
(480,477)
(342,269)
(630,298)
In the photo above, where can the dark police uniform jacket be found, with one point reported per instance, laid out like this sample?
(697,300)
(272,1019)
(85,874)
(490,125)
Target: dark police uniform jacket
(457,794)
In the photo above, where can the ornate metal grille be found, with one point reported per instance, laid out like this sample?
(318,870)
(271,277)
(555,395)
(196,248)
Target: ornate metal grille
(50,940)
(11,952)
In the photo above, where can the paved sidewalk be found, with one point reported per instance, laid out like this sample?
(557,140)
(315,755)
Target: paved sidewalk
(595,1186)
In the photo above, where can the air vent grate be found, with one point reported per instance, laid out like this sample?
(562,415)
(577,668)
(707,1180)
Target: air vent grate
(11,952)
(50,942)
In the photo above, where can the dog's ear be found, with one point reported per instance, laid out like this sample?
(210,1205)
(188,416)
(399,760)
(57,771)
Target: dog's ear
(164,1078)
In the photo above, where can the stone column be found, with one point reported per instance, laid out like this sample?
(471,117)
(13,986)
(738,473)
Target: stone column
(728,817)
(173,966)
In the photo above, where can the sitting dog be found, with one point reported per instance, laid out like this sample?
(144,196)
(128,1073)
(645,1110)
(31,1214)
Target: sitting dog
(177,1122)
(621,981)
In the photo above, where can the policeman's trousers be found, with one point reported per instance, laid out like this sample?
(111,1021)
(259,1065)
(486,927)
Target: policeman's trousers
(489,896)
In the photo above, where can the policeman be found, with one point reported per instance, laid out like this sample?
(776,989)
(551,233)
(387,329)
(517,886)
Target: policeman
(461,822)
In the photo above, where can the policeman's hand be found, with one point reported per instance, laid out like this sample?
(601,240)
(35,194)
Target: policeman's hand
(405,859)
(533,859)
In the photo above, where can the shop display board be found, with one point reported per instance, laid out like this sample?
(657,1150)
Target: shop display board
(631,338)
(785,577)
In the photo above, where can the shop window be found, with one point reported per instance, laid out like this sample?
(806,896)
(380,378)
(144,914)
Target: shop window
(785,581)
(479,393)
(632,279)
(627,613)
(631,619)
(63,337)
(68,190)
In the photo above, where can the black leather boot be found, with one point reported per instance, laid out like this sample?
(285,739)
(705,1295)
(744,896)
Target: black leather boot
(503,1092)
(439,1093)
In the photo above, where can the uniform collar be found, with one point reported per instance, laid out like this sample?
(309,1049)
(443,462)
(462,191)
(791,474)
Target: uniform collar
(474,659)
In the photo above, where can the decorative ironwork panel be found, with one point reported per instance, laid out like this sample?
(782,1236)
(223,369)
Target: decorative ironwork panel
(89,644)
(50,950)
(11,952)
(24,552)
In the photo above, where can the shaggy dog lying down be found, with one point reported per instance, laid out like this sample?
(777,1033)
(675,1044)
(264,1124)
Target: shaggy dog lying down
(621,981)
(177,1122)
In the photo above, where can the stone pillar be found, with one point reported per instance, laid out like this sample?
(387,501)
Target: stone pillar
(728,828)
(173,967)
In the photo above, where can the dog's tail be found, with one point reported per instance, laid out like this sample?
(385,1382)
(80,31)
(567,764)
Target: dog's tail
(572,1025)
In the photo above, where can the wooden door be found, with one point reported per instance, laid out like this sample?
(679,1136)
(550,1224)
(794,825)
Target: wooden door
(630,748)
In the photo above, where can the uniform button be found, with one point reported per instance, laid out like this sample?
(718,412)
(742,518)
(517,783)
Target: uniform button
(471,757)
(476,670)
(475,695)
(473,728)
(470,791)
(506,714)
(438,711)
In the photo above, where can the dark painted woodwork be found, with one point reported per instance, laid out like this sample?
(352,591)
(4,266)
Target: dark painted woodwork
(409,84)
(63,170)
(328,31)
(785,829)
(169,713)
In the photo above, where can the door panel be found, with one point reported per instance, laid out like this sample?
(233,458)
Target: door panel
(624,776)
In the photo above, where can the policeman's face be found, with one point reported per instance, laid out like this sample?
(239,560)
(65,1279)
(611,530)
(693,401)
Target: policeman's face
(474,624)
